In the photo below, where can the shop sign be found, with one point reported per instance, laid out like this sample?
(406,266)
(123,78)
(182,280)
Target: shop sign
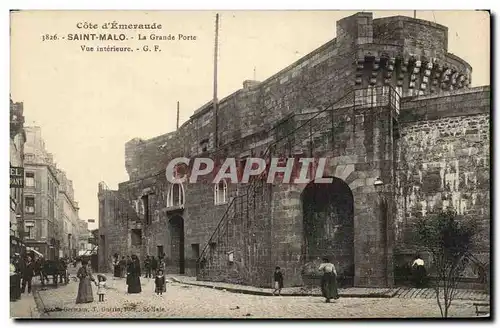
(16,177)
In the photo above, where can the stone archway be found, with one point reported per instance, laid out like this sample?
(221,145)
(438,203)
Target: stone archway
(328,223)
(176,225)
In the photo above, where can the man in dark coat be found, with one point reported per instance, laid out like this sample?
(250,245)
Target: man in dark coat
(27,273)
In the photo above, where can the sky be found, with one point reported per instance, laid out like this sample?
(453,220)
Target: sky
(89,104)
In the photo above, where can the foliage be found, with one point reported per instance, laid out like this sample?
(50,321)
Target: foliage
(449,239)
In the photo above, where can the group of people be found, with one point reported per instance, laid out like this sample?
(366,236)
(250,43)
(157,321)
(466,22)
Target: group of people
(21,275)
(24,269)
(329,288)
(132,267)
(84,274)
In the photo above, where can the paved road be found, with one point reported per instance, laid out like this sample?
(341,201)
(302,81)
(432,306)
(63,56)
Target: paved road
(182,301)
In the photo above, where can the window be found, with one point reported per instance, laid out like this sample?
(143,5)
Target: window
(220,193)
(145,204)
(204,145)
(175,195)
(195,248)
(29,229)
(29,205)
(30,179)
(136,235)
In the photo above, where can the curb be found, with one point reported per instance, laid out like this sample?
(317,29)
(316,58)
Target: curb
(263,293)
(40,307)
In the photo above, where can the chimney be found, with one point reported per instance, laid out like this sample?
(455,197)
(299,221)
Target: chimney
(248,84)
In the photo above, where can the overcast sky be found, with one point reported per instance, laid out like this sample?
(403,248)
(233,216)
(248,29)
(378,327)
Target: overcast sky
(89,104)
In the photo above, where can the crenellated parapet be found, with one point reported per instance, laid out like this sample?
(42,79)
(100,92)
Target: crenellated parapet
(412,75)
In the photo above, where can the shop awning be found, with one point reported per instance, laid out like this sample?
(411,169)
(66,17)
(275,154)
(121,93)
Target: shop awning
(34,251)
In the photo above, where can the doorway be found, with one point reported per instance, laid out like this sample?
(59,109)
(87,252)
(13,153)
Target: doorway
(328,213)
(177,243)
(159,251)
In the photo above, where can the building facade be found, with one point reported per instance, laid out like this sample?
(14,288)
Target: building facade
(51,213)
(404,136)
(17,140)
(68,224)
(84,237)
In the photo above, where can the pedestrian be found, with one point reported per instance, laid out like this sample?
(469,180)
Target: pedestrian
(28,272)
(116,266)
(101,287)
(161,263)
(147,265)
(278,281)
(328,280)
(15,288)
(419,272)
(85,288)
(123,267)
(133,276)
(160,283)
(154,264)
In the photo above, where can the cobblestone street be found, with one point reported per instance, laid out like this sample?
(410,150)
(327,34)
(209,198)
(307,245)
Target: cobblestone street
(183,301)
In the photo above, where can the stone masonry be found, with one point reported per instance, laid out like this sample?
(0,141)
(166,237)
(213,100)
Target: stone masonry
(384,99)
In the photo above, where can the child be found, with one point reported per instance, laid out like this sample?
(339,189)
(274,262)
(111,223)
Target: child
(159,282)
(101,287)
(278,281)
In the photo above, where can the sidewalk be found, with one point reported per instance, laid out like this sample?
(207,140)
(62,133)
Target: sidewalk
(354,292)
(290,291)
(25,308)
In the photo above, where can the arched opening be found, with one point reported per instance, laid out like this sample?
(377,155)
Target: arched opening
(220,193)
(176,225)
(175,196)
(328,218)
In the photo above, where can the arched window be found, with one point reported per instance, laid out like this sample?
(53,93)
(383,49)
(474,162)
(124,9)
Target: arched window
(175,195)
(220,193)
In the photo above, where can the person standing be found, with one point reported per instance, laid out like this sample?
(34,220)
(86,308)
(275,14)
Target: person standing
(101,287)
(278,281)
(116,266)
(154,264)
(85,288)
(28,272)
(328,280)
(123,267)
(147,265)
(133,276)
(419,272)
(15,285)
(160,283)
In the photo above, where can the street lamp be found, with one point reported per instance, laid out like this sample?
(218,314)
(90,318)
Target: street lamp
(378,183)
(382,207)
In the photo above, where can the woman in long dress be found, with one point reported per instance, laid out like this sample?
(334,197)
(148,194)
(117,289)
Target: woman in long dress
(328,280)
(133,276)
(84,288)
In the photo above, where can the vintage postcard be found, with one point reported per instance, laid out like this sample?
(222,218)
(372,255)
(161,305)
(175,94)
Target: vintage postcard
(250,164)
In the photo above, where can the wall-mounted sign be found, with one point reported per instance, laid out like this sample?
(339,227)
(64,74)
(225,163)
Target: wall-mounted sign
(91,221)
(16,177)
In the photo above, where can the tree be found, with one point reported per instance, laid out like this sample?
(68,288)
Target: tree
(449,239)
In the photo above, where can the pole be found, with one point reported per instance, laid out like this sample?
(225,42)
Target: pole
(215,101)
(414,14)
(177,128)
